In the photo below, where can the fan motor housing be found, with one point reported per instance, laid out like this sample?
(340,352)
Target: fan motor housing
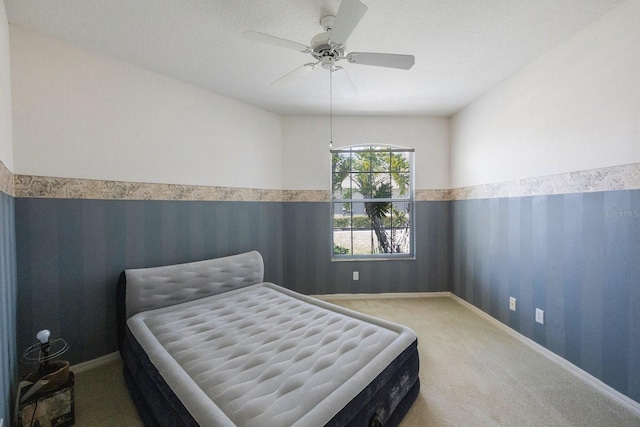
(321,47)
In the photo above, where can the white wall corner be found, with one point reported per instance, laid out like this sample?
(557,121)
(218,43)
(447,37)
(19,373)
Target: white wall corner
(6,139)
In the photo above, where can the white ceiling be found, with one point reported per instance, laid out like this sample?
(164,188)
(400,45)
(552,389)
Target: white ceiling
(462,48)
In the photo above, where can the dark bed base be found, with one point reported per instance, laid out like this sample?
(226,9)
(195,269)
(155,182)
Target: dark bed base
(377,404)
(156,402)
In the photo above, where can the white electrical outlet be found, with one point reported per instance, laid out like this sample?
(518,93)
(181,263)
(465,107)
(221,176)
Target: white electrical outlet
(540,316)
(356,275)
(512,304)
(1,421)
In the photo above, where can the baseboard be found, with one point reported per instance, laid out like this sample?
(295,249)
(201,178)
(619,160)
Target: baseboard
(586,377)
(95,363)
(389,295)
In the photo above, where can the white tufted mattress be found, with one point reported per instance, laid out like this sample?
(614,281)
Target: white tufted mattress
(265,356)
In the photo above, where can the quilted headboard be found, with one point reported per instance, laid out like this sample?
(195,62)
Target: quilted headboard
(150,288)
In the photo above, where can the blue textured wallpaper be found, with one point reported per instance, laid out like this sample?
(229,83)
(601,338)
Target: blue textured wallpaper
(70,253)
(8,351)
(307,262)
(576,256)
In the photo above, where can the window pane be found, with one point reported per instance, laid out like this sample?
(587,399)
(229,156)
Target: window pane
(362,184)
(399,162)
(342,229)
(341,187)
(381,185)
(401,240)
(341,214)
(341,166)
(401,182)
(378,161)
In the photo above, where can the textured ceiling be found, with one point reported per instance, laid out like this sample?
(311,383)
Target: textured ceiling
(462,48)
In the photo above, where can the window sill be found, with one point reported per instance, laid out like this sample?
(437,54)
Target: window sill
(372,258)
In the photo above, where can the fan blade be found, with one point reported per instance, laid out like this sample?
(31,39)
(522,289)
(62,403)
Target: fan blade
(348,16)
(343,82)
(390,60)
(275,41)
(298,72)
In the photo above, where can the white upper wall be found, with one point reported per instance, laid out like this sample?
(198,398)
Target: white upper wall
(6,147)
(78,114)
(575,108)
(307,161)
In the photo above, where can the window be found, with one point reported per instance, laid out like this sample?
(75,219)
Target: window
(372,202)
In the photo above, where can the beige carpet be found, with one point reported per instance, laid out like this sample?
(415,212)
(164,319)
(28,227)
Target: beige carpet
(472,373)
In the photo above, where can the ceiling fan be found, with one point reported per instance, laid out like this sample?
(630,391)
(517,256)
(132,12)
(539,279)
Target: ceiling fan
(328,47)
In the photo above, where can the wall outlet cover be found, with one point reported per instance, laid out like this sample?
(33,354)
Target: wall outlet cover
(356,275)
(540,316)
(512,304)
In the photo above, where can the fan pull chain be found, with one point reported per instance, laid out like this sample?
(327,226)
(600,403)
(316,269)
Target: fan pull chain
(331,105)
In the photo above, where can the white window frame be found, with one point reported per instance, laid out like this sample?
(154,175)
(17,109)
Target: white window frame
(408,199)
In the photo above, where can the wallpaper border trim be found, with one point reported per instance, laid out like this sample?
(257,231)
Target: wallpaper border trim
(74,188)
(624,177)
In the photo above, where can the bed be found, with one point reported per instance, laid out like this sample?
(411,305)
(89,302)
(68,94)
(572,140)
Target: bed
(209,343)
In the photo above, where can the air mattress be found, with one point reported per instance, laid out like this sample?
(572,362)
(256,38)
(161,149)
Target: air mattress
(257,354)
